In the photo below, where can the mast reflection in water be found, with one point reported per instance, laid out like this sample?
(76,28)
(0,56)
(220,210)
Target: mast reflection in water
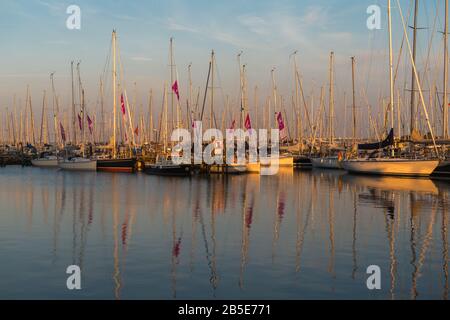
(297,235)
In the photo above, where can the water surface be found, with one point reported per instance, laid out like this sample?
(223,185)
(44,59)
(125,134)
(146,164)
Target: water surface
(297,235)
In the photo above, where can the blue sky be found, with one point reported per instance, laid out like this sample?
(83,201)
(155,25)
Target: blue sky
(35,42)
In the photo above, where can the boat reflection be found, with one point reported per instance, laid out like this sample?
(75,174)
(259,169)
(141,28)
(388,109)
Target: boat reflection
(227,236)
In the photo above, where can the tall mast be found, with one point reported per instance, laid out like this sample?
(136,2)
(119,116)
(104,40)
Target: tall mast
(166,118)
(190,89)
(102,106)
(33,137)
(331,98)
(244,95)
(256,107)
(391,72)
(74,125)
(296,105)
(274,90)
(413,76)
(354,101)
(211,112)
(445,106)
(391,77)
(114,93)
(171,81)
(150,112)
(241,91)
(55,108)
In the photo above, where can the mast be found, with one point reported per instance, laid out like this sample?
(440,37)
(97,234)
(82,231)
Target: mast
(241,91)
(256,107)
(114,93)
(55,108)
(391,72)
(354,101)
(244,110)
(74,125)
(212,91)
(166,118)
(190,109)
(171,81)
(274,92)
(413,76)
(33,138)
(150,112)
(102,104)
(296,105)
(42,136)
(445,106)
(391,77)
(331,97)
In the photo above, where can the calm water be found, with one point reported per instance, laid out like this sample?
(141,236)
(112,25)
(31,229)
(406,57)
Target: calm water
(298,235)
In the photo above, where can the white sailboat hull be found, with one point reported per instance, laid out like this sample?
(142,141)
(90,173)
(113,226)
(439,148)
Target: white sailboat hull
(281,161)
(78,165)
(45,163)
(397,167)
(326,163)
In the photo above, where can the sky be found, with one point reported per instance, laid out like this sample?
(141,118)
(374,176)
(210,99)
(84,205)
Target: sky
(36,42)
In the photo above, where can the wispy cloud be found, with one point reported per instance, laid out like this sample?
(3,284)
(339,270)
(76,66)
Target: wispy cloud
(172,25)
(54,7)
(124,17)
(210,32)
(141,58)
(57,42)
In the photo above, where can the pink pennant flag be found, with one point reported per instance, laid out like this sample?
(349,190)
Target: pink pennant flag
(280,121)
(90,124)
(175,89)
(233,124)
(122,103)
(281,126)
(248,123)
(63,132)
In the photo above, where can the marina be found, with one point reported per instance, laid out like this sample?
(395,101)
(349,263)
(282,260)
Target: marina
(275,154)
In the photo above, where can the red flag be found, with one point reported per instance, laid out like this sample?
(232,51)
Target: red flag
(136,131)
(280,121)
(248,123)
(122,103)
(233,125)
(63,132)
(90,124)
(175,89)
(281,126)
(80,123)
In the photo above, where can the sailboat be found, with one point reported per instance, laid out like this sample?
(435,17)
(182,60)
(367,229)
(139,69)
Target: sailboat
(393,165)
(77,163)
(284,159)
(45,160)
(330,161)
(115,164)
(164,164)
